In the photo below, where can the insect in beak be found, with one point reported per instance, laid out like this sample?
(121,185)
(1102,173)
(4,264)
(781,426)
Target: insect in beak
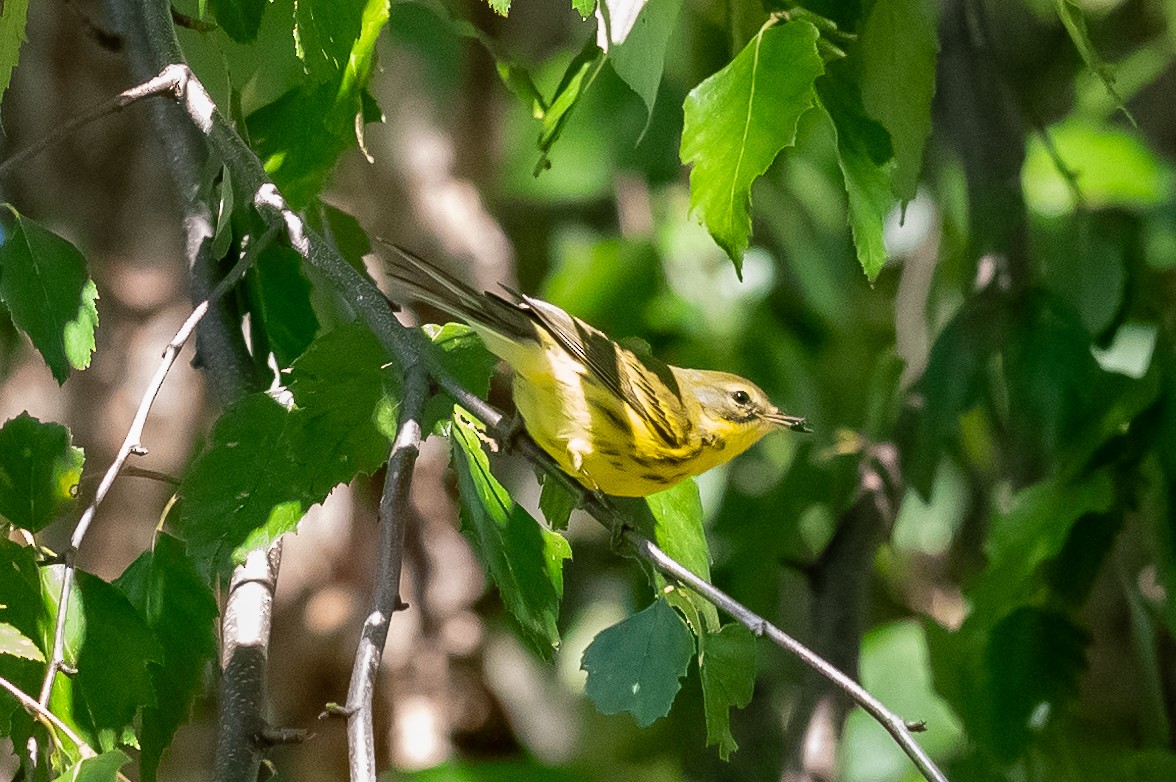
(794,422)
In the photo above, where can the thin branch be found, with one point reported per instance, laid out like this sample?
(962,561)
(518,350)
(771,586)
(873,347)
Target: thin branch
(361,745)
(163,84)
(131,445)
(31,705)
(894,725)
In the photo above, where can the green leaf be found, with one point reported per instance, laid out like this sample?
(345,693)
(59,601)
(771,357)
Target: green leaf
(557,502)
(895,668)
(864,154)
(181,611)
(15,643)
(953,382)
(39,472)
(20,589)
(584,7)
(347,397)
(266,465)
(342,230)
(1034,657)
(103,768)
(12,34)
(249,484)
(636,666)
(1051,376)
(240,19)
(1023,540)
(678,530)
(300,155)
(739,119)
(638,32)
(554,116)
(460,351)
(524,559)
(898,49)
(21,609)
(111,647)
(1113,167)
(324,33)
(726,662)
(43,281)
(279,301)
(224,198)
(1075,24)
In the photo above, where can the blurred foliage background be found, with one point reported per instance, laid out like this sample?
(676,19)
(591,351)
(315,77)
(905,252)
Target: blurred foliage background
(1012,368)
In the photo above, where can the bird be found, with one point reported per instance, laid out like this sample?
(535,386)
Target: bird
(619,423)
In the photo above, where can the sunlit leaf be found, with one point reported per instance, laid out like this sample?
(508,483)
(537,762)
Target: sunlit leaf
(103,768)
(39,471)
(324,33)
(44,283)
(1112,167)
(459,351)
(636,666)
(299,154)
(15,643)
(111,647)
(739,119)
(524,559)
(12,34)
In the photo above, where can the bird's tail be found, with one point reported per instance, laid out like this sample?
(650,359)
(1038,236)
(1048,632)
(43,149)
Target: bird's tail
(416,278)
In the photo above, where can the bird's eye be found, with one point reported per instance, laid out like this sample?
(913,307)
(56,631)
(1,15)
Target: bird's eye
(740,397)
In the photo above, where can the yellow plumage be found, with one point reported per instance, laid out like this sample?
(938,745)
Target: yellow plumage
(619,424)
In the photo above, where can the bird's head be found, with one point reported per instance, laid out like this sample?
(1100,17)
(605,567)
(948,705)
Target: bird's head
(734,410)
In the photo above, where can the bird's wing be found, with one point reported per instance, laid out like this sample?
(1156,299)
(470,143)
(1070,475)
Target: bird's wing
(646,386)
(424,281)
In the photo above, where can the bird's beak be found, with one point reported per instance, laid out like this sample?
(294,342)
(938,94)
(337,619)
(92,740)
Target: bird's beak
(794,422)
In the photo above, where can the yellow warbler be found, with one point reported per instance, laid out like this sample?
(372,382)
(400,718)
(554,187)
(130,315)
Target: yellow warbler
(618,423)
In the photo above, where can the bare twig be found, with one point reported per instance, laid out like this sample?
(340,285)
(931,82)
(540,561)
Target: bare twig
(163,84)
(386,596)
(131,445)
(32,706)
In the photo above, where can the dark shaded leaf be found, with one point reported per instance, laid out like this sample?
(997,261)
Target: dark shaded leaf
(39,472)
(181,611)
(240,19)
(635,666)
(726,662)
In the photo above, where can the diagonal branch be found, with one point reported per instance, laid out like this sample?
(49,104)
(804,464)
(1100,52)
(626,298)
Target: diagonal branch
(32,706)
(386,598)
